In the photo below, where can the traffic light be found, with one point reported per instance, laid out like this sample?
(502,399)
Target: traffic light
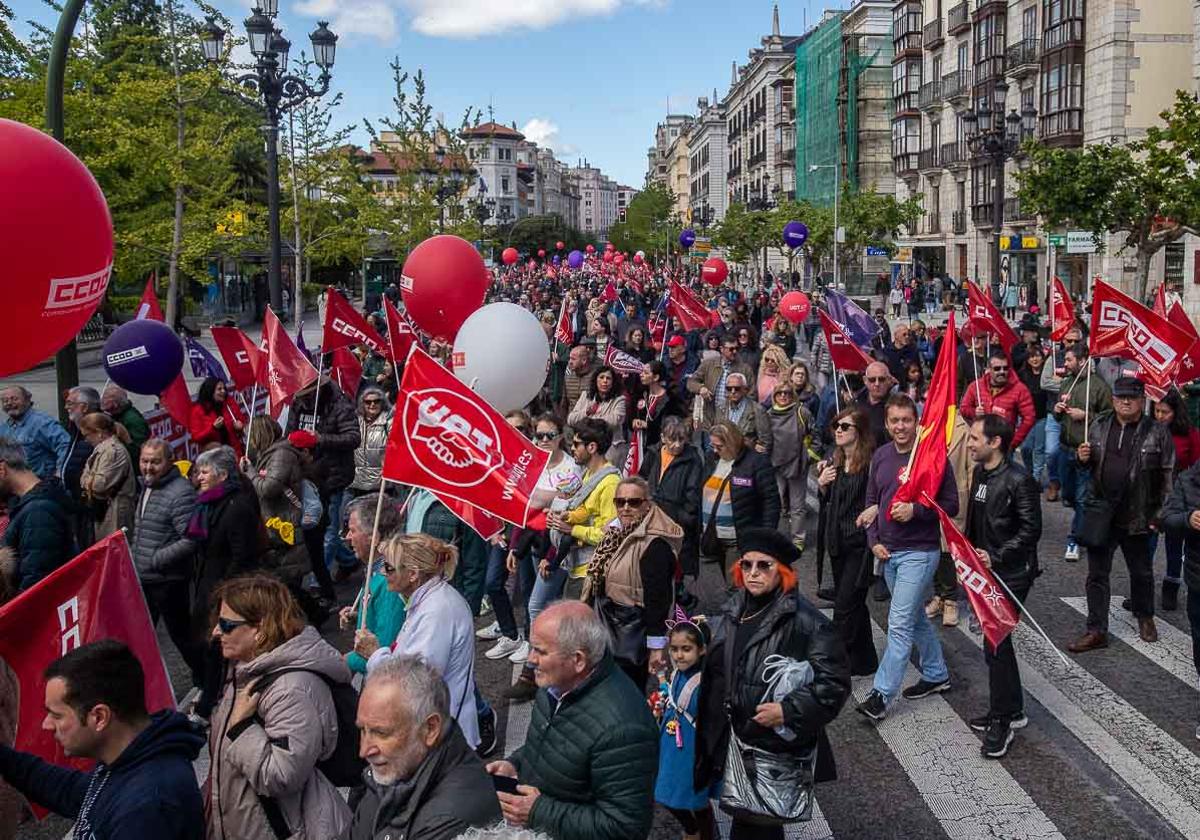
(621,215)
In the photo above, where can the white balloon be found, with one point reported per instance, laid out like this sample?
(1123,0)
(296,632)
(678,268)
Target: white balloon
(501,351)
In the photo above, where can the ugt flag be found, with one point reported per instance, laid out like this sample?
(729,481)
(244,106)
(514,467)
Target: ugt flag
(449,440)
(1125,328)
(928,463)
(997,615)
(94,596)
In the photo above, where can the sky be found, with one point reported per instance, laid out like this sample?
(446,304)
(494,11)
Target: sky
(588,78)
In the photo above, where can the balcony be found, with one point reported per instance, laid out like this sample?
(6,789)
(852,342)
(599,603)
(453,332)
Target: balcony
(1061,129)
(956,87)
(958,221)
(785,116)
(931,35)
(931,223)
(988,8)
(982,215)
(1013,212)
(930,96)
(905,103)
(906,164)
(735,133)
(756,158)
(928,160)
(1066,33)
(954,156)
(734,171)
(785,153)
(958,19)
(1022,58)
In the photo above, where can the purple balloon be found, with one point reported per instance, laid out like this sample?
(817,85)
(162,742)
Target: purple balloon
(557,259)
(143,356)
(795,234)
(575,259)
(687,238)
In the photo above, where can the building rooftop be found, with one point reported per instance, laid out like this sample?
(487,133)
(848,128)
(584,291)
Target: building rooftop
(493,129)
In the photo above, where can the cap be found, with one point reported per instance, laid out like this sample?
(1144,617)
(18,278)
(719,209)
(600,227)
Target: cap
(770,542)
(1128,386)
(302,439)
(676,341)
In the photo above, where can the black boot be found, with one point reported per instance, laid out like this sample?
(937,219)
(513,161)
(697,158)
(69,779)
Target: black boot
(1170,595)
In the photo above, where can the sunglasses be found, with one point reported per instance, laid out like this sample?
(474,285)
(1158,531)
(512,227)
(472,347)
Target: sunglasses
(545,435)
(877,379)
(843,426)
(228,625)
(763,566)
(627,501)
(999,368)
(735,387)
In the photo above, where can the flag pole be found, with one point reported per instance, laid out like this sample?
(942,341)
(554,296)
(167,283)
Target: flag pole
(1087,399)
(250,418)
(975,367)
(364,594)
(837,400)
(1032,620)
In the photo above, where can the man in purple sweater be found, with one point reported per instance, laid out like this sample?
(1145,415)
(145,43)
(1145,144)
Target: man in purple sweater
(906,540)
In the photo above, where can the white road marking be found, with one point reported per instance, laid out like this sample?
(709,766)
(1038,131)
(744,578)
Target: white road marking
(1156,767)
(1172,652)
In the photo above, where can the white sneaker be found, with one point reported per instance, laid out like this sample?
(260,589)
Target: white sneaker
(1072,552)
(489,633)
(504,647)
(521,653)
(485,605)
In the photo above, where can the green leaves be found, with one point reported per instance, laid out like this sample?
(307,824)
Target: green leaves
(650,224)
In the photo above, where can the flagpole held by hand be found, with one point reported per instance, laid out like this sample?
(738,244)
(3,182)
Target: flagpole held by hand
(365,593)
(1032,620)
(1087,399)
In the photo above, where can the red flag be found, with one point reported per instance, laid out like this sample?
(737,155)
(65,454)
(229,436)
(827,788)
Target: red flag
(94,596)
(1189,365)
(346,371)
(240,354)
(483,524)
(610,293)
(1061,309)
(284,369)
(401,332)
(846,355)
(997,615)
(928,463)
(175,398)
(985,316)
(688,308)
(622,362)
(149,307)
(344,326)
(450,441)
(633,461)
(1160,300)
(563,332)
(1125,328)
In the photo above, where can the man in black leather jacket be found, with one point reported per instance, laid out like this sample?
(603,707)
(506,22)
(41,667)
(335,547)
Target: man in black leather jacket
(1004,523)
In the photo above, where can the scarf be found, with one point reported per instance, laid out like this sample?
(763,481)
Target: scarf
(597,567)
(198,525)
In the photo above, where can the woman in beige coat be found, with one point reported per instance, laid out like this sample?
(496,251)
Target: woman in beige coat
(604,399)
(265,745)
(109,482)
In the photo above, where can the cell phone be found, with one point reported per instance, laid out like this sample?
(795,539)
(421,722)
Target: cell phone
(504,784)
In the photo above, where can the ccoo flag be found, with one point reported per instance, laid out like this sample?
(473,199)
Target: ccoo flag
(846,355)
(1060,310)
(928,463)
(345,327)
(283,368)
(1125,328)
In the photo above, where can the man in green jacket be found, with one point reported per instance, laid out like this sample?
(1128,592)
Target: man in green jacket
(587,768)
(1077,399)
(115,403)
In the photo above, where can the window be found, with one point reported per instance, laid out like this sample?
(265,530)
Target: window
(936,72)
(485,153)
(504,184)
(1029,24)
(906,143)
(1062,94)
(981,186)
(964,51)
(961,188)
(1062,21)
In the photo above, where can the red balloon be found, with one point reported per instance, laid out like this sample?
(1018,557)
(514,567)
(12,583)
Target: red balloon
(794,306)
(591,249)
(509,256)
(443,281)
(53,278)
(608,256)
(559,245)
(541,252)
(619,258)
(714,271)
(637,259)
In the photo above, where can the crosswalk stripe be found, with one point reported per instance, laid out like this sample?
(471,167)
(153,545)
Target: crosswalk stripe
(1154,765)
(969,795)
(1172,652)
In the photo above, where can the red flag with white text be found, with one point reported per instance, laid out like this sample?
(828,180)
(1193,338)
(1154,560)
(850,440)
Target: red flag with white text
(1062,310)
(240,355)
(92,597)
(688,308)
(1124,328)
(985,316)
(563,331)
(449,440)
(637,447)
(344,326)
(996,613)
(346,371)
(1189,365)
(401,332)
(622,362)
(283,368)
(846,355)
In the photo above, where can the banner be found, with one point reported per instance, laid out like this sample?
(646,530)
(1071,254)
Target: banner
(689,309)
(483,524)
(852,318)
(622,362)
(346,371)
(1061,310)
(1189,365)
(447,439)
(240,354)
(928,463)
(94,596)
(985,316)
(996,613)
(1124,328)
(846,355)
(344,326)
(204,364)
(282,368)
(402,335)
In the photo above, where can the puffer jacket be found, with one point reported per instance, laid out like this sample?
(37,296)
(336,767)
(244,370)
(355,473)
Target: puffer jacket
(1013,402)
(368,458)
(274,753)
(791,627)
(161,552)
(678,492)
(593,754)
(1004,518)
(337,427)
(39,531)
(277,481)
(1184,499)
(753,493)
(1150,470)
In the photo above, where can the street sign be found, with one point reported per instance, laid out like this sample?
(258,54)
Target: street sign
(1058,240)
(1080,242)
(874,251)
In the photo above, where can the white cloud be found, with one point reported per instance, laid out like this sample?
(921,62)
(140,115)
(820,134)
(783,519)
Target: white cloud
(545,134)
(374,18)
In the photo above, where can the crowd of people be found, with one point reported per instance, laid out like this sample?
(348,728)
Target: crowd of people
(664,641)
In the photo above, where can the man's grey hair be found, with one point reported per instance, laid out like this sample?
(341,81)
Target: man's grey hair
(741,377)
(160,444)
(24,391)
(583,632)
(502,831)
(364,507)
(89,395)
(425,692)
(222,460)
(675,428)
(119,395)
(13,454)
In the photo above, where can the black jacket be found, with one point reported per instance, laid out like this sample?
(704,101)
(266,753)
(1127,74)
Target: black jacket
(235,545)
(450,793)
(678,493)
(1184,499)
(1004,518)
(791,627)
(1150,469)
(39,531)
(337,427)
(752,491)
(150,791)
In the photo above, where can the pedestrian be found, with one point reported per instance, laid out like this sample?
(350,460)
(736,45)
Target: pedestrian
(680,365)
(422,779)
(791,425)
(744,717)
(842,485)
(163,553)
(1004,523)
(80,401)
(108,481)
(748,350)
(384,609)
(739,492)
(1033,450)
(275,721)
(1053,372)
(1012,298)
(604,400)
(1130,458)
(904,538)
(587,767)
(801,380)
(972,359)
(896,299)
(873,399)
(674,471)
(1001,392)
(39,529)
(216,420)
(1077,400)
(44,440)
(710,381)
(743,411)
(114,401)
(1171,412)
(653,405)
(374,425)
(1181,518)
(772,369)
(581,366)
(143,784)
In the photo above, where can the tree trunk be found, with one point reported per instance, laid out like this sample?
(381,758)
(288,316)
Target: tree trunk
(177,229)
(1143,272)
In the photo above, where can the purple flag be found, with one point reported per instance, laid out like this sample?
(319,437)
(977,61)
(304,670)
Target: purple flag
(851,317)
(300,342)
(204,364)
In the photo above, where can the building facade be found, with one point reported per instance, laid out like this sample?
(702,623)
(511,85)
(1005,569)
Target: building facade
(708,194)
(494,150)
(625,197)
(658,155)
(597,199)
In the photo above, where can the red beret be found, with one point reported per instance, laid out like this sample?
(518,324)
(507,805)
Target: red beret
(676,341)
(302,439)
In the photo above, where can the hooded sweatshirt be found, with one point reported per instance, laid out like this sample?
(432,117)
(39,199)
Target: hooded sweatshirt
(150,791)
(40,531)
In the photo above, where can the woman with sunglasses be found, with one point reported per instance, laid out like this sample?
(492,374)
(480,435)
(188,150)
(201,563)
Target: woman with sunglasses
(374,426)
(772,369)
(674,470)
(740,708)
(604,400)
(842,483)
(739,493)
(275,720)
(747,346)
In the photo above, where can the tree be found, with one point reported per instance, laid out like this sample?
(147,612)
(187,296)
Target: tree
(649,224)
(529,234)
(13,53)
(743,233)
(1146,190)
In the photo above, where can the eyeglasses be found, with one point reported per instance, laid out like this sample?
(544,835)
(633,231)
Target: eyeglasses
(729,348)
(372,402)
(228,625)
(545,435)
(877,379)
(735,387)
(999,368)
(628,501)
(843,426)
(763,566)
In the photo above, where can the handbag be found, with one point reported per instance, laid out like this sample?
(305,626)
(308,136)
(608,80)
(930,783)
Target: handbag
(1095,522)
(626,629)
(710,543)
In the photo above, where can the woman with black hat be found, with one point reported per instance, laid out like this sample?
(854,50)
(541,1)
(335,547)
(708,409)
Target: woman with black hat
(776,674)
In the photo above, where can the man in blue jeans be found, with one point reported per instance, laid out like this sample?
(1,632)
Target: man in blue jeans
(906,539)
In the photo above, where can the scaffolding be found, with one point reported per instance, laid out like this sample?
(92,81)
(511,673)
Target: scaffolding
(818,74)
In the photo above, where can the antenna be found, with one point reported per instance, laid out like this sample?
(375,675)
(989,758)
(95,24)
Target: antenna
(491,112)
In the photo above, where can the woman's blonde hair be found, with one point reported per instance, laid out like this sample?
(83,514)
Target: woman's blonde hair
(264,431)
(728,431)
(774,353)
(426,555)
(266,603)
(98,421)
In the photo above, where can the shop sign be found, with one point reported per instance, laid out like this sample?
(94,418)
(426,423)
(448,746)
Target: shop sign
(1080,242)
(1024,243)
